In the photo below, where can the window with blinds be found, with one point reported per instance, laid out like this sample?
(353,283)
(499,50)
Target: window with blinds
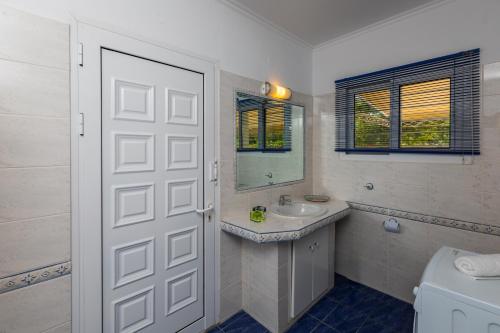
(262,124)
(426,107)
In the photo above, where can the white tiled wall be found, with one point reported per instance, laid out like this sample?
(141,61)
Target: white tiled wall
(395,262)
(34,169)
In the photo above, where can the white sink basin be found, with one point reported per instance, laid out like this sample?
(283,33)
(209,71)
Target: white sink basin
(298,209)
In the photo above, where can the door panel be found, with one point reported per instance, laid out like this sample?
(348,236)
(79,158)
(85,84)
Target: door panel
(302,274)
(320,262)
(152,184)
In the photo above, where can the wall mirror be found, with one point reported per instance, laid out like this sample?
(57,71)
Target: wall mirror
(269,141)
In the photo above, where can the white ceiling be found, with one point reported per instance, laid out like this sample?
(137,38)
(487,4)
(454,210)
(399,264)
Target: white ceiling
(318,21)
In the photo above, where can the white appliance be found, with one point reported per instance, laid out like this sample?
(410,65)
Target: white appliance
(448,301)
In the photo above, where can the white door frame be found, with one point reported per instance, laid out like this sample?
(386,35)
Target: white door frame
(86,168)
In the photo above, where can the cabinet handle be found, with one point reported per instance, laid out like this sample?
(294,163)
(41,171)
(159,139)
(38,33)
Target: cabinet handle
(311,248)
(316,244)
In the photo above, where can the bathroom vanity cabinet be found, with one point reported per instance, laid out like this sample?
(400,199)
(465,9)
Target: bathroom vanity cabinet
(310,267)
(286,263)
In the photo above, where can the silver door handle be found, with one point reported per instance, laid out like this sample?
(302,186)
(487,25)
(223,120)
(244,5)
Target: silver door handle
(209,208)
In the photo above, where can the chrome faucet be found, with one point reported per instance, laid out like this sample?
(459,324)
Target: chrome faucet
(285,199)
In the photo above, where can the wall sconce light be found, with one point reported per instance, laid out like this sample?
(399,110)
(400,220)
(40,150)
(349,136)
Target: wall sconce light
(275,91)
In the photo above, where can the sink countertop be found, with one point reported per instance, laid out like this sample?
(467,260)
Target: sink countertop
(278,228)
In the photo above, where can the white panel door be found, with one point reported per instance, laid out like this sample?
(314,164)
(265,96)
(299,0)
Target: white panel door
(152,184)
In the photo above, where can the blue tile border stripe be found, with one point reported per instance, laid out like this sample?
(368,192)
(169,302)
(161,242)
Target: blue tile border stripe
(35,276)
(442,221)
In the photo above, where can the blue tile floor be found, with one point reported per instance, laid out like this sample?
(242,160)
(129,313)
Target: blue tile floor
(348,308)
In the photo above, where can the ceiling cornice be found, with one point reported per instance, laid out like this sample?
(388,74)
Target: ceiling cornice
(242,9)
(380,24)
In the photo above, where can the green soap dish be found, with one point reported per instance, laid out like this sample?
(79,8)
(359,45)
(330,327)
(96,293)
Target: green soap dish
(258,214)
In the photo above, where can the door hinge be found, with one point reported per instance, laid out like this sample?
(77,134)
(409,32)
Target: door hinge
(80,54)
(214,171)
(81,123)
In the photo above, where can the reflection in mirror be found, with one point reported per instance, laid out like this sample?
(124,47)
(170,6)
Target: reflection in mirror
(269,141)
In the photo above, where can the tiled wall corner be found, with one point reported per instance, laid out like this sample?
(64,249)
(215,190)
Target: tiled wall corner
(231,253)
(64,328)
(260,282)
(230,275)
(394,263)
(34,171)
(466,192)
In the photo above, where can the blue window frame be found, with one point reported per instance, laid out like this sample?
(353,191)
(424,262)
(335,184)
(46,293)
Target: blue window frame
(426,107)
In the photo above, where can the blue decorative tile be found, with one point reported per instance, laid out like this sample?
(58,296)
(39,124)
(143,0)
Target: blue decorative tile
(304,324)
(322,328)
(233,319)
(373,328)
(323,308)
(345,319)
(341,293)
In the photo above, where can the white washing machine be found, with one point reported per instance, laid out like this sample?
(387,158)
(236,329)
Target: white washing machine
(448,301)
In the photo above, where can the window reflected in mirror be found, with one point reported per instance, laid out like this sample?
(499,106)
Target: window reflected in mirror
(269,141)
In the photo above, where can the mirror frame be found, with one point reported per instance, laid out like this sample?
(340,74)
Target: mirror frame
(235,153)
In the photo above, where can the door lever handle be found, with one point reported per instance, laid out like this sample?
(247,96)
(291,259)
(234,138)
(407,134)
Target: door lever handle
(209,208)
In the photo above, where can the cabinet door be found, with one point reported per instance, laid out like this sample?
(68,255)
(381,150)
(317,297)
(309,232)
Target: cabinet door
(302,267)
(320,262)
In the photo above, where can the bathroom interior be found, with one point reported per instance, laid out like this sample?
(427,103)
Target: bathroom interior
(249,166)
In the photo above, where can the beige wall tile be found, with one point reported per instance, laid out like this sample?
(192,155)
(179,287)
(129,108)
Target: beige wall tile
(408,250)
(491,75)
(33,90)
(400,284)
(36,308)
(231,270)
(230,245)
(230,301)
(491,107)
(371,243)
(490,207)
(30,141)
(260,306)
(32,244)
(260,276)
(481,243)
(345,264)
(284,282)
(33,192)
(33,39)
(64,328)
(371,273)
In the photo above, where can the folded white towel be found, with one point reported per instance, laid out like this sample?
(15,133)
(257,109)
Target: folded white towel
(485,265)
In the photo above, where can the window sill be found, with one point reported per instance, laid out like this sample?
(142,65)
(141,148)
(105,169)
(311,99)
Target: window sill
(408,158)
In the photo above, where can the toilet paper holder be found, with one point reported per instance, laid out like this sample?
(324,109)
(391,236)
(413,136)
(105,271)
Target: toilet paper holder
(391,225)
